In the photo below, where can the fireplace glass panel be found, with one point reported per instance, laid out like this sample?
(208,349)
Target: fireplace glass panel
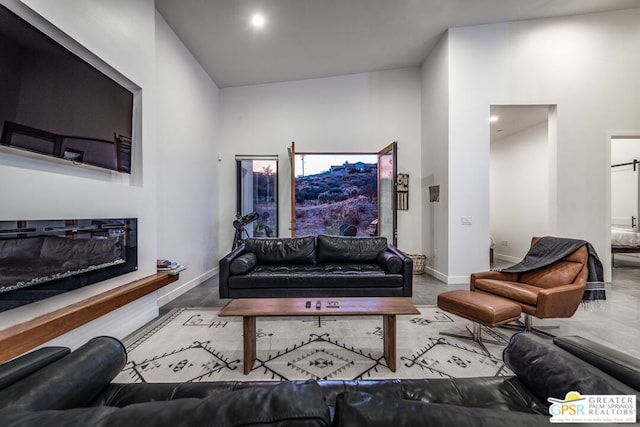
(43,258)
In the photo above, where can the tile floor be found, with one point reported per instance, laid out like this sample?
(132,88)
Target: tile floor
(616,324)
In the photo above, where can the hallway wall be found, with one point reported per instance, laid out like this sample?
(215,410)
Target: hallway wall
(569,62)
(519,191)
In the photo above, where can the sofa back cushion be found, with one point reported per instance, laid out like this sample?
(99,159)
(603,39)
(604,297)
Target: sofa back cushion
(293,250)
(620,365)
(21,367)
(549,371)
(350,249)
(71,381)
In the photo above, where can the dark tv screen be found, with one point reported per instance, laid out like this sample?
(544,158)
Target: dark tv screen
(54,103)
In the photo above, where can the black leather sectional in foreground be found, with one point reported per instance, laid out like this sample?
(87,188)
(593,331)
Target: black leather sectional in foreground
(55,387)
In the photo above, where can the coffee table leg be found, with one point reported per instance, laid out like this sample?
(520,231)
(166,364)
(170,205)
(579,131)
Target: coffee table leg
(389,338)
(249,342)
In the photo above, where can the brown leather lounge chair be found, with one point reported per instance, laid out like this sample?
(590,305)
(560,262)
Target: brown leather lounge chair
(554,291)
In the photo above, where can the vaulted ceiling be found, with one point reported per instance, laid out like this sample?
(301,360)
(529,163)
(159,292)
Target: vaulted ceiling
(304,39)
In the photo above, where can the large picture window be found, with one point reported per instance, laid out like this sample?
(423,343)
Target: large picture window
(336,194)
(347,194)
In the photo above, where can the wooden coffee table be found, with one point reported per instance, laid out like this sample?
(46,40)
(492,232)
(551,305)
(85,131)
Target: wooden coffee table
(250,308)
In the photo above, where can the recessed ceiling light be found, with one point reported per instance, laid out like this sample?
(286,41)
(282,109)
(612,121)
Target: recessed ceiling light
(258,20)
(493,119)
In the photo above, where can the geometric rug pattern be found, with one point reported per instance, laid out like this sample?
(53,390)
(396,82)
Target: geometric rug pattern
(194,344)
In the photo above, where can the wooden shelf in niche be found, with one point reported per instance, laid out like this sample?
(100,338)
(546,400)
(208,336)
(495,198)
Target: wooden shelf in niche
(26,336)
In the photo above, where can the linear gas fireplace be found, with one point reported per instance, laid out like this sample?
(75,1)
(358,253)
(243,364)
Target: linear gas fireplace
(43,258)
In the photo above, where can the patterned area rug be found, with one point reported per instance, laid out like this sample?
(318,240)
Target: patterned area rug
(196,345)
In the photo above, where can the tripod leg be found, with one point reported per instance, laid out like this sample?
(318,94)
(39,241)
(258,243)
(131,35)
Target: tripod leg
(237,239)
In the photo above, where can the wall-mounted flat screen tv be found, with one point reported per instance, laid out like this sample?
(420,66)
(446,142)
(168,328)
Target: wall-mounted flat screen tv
(53,103)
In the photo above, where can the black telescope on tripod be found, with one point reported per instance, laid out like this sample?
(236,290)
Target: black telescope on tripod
(239,224)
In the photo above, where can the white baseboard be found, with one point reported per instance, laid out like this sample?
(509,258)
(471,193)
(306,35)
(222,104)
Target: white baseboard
(507,258)
(458,280)
(435,273)
(449,280)
(185,287)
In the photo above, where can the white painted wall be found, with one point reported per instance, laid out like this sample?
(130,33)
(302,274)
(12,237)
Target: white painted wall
(187,163)
(519,191)
(435,158)
(353,113)
(474,78)
(586,65)
(175,132)
(121,34)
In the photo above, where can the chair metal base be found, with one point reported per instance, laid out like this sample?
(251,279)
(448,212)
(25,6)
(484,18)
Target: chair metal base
(475,335)
(527,326)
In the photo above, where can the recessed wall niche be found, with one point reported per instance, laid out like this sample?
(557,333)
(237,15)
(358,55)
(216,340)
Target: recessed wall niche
(62,107)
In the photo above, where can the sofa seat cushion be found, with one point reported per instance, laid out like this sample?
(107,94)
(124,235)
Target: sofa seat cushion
(350,249)
(560,273)
(285,404)
(362,409)
(283,250)
(521,292)
(500,393)
(320,269)
(504,393)
(329,275)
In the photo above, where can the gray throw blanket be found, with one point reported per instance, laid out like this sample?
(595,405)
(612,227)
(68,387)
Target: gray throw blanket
(550,249)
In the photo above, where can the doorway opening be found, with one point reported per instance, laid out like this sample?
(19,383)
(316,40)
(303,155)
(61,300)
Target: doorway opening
(625,201)
(521,176)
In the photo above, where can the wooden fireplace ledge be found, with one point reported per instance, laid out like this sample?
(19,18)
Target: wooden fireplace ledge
(26,336)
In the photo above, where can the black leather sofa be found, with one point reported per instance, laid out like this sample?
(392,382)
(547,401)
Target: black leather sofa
(55,387)
(326,266)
